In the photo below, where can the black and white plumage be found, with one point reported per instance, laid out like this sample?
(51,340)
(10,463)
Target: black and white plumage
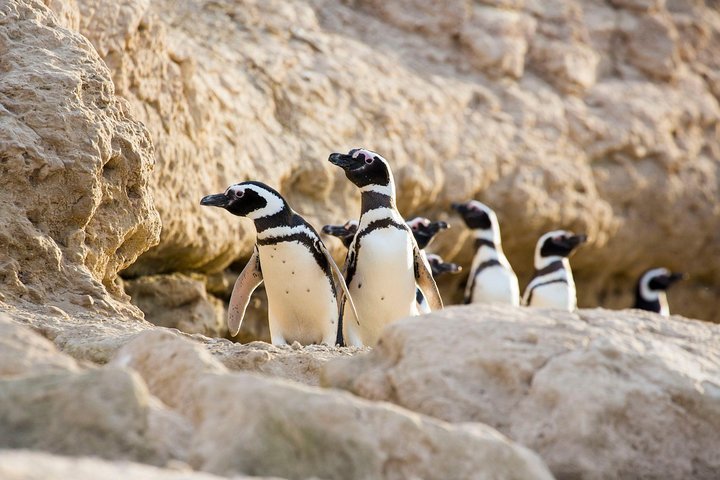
(492,279)
(651,287)
(552,285)
(305,304)
(384,263)
(423,230)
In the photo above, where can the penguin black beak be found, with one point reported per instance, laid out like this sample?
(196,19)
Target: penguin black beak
(672,278)
(216,200)
(576,240)
(335,230)
(344,161)
(435,227)
(461,208)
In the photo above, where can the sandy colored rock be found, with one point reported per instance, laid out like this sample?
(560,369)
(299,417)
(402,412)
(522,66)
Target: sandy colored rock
(106,412)
(26,465)
(597,394)
(178,301)
(579,115)
(272,427)
(74,168)
(23,351)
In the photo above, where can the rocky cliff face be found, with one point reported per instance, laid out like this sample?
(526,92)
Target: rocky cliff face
(600,117)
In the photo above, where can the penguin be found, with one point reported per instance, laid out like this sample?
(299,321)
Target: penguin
(304,303)
(423,230)
(345,232)
(491,279)
(384,263)
(439,267)
(552,284)
(650,290)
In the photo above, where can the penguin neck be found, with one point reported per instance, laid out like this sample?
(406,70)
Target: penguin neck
(284,217)
(487,244)
(651,300)
(543,262)
(371,199)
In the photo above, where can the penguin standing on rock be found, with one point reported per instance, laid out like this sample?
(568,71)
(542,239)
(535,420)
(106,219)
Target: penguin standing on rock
(304,302)
(552,285)
(423,230)
(492,279)
(650,290)
(384,263)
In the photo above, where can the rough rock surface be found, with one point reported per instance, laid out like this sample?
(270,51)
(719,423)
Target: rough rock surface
(600,117)
(262,423)
(74,169)
(26,465)
(597,394)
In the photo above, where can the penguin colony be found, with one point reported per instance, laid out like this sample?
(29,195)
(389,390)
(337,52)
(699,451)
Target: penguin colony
(387,275)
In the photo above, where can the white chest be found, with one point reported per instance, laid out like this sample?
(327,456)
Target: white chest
(301,300)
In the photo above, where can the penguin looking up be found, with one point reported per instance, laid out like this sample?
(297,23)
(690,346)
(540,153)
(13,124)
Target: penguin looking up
(424,230)
(650,290)
(304,302)
(552,284)
(384,261)
(492,279)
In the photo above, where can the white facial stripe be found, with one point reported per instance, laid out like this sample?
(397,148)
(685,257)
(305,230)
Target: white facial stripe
(277,232)
(540,261)
(274,205)
(645,290)
(379,214)
(417,221)
(388,190)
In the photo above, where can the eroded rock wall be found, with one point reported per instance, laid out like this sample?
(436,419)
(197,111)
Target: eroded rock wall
(600,117)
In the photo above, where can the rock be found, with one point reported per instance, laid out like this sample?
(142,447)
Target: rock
(74,168)
(274,427)
(26,465)
(597,394)
(106,412)
(22,352)
(548,111)
(178,301)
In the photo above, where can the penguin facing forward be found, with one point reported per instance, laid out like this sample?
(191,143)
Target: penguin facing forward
(304,302)
(492,279)
(384,263)
(552,284)
(651,287)
(423,230)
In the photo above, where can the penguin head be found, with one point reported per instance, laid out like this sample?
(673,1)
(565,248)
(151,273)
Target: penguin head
(366,169)
(558,243)
(248,199)
(345,232)
(477,215)
(424,230)
(657,280)
(439,266)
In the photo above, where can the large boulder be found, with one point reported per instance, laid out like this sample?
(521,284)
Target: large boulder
(249,424)
(74,170)
(597,394)
(600,117)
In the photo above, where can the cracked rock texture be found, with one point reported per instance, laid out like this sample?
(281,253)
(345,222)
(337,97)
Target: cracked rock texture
(273,427)
(600,117)
(597,394)
(74,169)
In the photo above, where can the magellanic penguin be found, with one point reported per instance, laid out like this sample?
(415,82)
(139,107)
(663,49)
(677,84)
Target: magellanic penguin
(304,302)
(552,285)
(492,279)
(423,230)
(384,261)
(650,290)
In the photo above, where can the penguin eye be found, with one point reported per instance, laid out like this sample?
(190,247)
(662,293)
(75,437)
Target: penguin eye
(369,160)
(239,193)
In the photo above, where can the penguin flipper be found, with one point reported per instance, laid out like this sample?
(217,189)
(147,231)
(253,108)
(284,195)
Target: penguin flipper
(341,280)
(425,280)
(245,285)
